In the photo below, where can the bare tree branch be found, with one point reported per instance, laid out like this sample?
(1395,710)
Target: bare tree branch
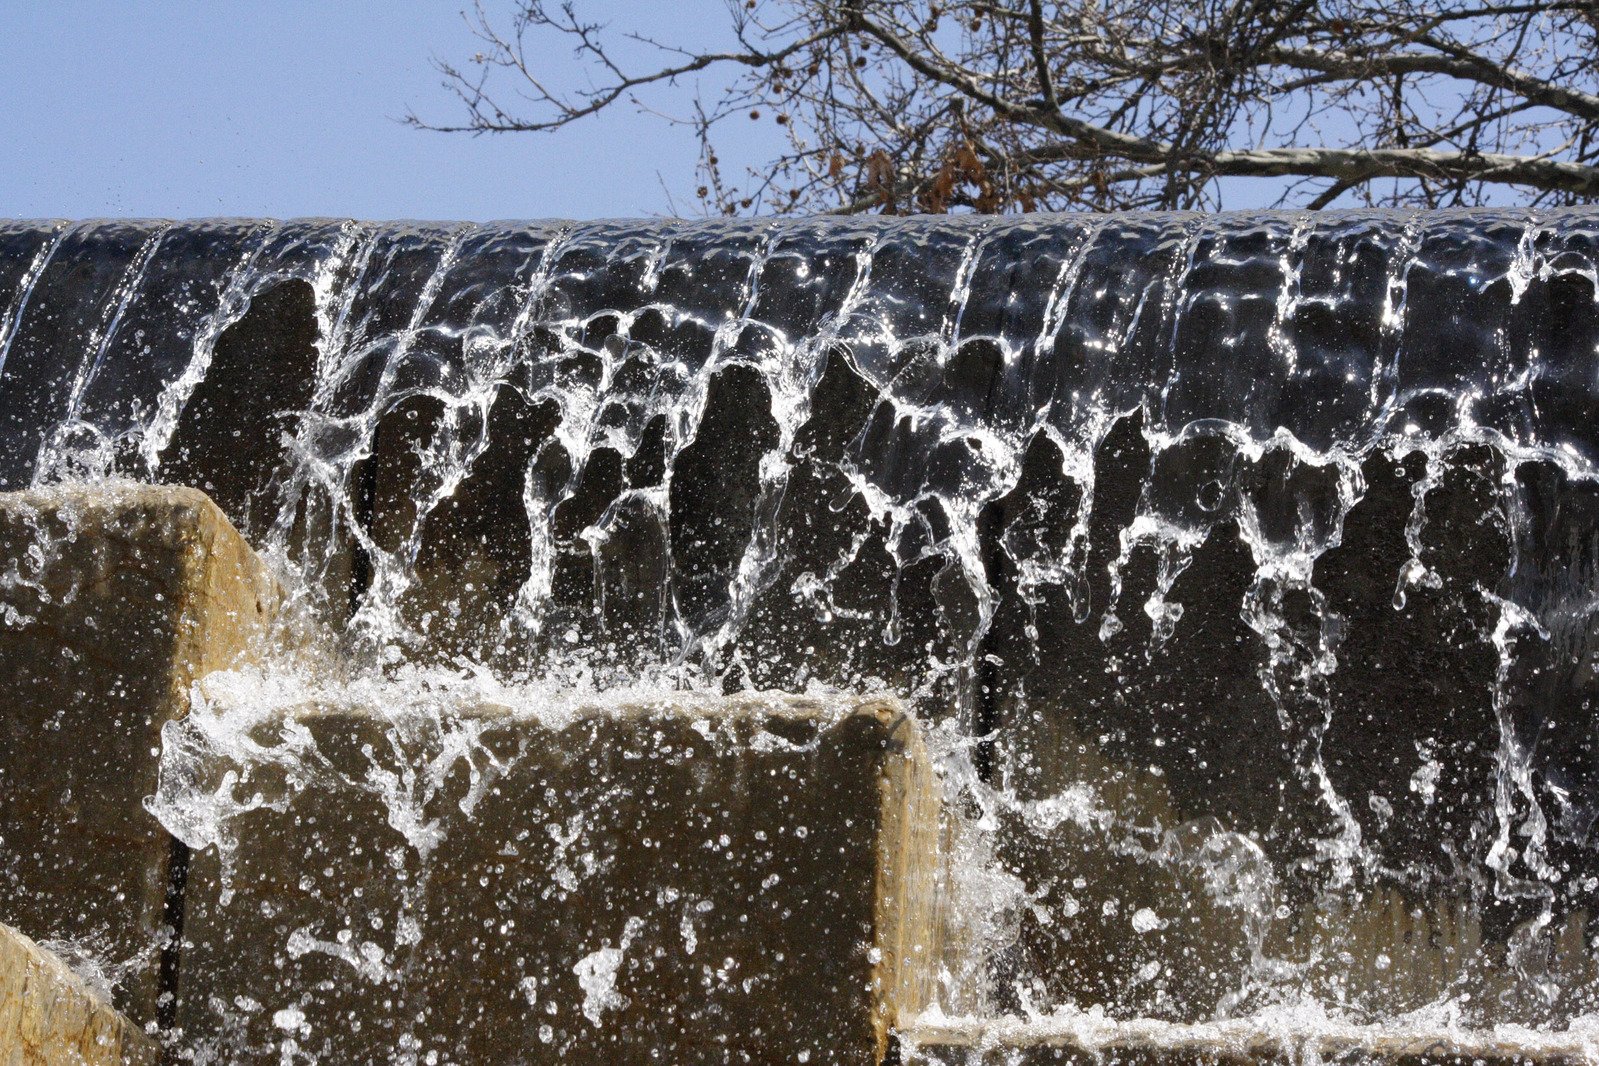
(1020,105)
(1463,66)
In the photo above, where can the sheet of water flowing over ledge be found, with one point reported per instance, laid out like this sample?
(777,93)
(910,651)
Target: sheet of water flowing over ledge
(1242,566)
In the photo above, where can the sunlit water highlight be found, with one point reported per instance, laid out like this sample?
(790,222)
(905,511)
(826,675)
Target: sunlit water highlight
(969,461)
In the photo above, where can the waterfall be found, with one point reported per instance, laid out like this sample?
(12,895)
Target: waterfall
(1247,562)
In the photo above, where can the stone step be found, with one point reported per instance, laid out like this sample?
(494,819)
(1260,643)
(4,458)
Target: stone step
(49,1017)
(1094,1039)
(114,600)
(674,881)
(687,878)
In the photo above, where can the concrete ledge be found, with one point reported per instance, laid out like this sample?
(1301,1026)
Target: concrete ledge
(687,881)
(1085,1038)
(114,599)
(48,1017)
(696,879)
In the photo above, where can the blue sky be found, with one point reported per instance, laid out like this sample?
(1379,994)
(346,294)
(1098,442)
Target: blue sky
(185,108)
(290,107)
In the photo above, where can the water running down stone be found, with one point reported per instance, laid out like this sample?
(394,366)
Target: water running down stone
(1242,566)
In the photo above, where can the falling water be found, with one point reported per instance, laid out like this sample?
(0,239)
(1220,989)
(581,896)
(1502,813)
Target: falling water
(1244,566)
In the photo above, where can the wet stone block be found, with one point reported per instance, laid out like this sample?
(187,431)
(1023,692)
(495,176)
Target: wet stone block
(114,601)
(49,1017)
(1094,1040)
(683,882)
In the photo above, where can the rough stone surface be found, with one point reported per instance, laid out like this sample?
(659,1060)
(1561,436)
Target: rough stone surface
(684,882)
(48,1017)
(1097,1041)
(114,601)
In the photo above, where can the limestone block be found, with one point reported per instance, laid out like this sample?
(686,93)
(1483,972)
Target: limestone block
(690,882)
(48,1017)
(114,601)
(1094,1040)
